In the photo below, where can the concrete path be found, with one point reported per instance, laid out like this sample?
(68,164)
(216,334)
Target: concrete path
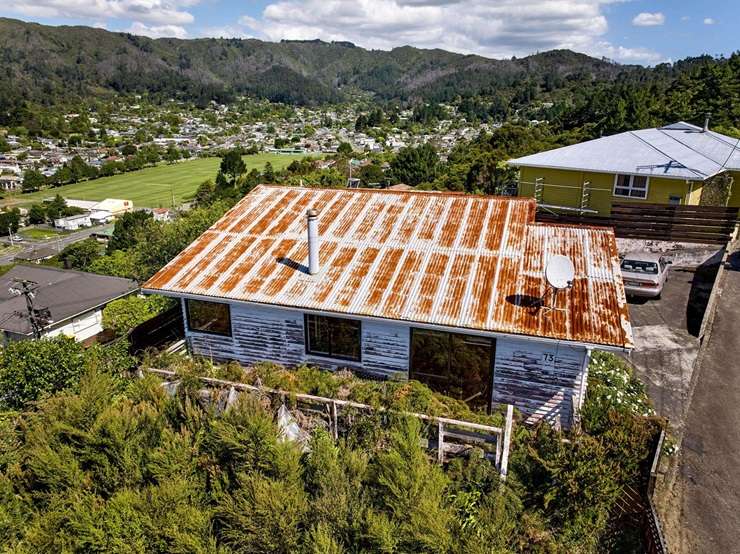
(708,483)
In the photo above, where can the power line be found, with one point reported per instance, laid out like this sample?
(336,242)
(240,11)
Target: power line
(38,317)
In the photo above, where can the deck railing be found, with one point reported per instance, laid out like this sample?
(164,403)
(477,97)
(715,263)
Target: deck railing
(450,437)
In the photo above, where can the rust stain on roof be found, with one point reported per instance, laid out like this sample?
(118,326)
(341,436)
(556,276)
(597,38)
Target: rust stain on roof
(471,262)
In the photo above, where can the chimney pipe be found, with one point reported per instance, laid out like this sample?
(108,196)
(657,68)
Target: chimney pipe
(312,218)
(706,122)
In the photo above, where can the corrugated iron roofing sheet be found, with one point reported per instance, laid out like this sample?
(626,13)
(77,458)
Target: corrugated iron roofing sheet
(680,151)
(473,262)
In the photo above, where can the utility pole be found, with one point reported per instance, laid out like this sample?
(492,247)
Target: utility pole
(38,317)
(10,236)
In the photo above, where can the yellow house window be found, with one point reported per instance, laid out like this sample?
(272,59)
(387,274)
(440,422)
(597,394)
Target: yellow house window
(631,186)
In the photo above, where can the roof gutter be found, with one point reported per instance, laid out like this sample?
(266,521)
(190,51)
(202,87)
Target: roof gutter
(422,325)
(613,171)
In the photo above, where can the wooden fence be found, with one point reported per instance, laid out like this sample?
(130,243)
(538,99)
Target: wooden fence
(163,328)
(449,437)
(635,504)
(699,224)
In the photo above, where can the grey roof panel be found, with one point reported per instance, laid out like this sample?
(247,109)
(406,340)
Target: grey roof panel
(679,151)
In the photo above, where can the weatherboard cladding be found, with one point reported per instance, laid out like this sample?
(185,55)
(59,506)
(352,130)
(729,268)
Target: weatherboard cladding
(265,333)
(472,262)
(524,378)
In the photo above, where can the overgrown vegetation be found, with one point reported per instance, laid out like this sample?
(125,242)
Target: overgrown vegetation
(112,464)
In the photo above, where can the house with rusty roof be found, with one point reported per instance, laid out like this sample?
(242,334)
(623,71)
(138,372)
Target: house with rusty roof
(444,288)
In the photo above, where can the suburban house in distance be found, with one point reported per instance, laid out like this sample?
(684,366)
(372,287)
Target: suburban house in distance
(68,302)
(444,288)
(667,165)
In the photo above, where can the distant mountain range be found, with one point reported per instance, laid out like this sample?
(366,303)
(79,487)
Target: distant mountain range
(46,63)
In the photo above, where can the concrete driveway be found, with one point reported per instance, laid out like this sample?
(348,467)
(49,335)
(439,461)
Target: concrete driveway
(666,332)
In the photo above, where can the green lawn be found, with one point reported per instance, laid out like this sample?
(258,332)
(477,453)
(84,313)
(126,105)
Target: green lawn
(39,234)
(152,187)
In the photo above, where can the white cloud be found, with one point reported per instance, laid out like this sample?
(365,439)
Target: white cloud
(157,31)
(228,31)
(628,55)
(495,28)
(709,21)
(159,12)
(685,18)
(646,19)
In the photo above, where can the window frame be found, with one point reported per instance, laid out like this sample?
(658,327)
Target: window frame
(331,355)
(191,329)
(493,342)
(630,186)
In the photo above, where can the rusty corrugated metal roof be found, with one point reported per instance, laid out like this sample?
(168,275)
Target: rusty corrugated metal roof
(473,262)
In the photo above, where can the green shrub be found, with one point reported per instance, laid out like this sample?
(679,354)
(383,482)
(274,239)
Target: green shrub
(108,464)
(263,515)
(30,369)
(122,315)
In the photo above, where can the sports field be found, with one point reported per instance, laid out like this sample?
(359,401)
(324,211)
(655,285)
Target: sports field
(152,187)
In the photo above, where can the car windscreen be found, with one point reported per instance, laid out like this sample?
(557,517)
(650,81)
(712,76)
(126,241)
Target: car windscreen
(636,266)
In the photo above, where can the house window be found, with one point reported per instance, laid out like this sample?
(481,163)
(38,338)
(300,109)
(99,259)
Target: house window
(209,317)
(631,186)
(457,365)
(334,337)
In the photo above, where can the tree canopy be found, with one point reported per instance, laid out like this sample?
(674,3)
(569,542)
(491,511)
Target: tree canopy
(415,165)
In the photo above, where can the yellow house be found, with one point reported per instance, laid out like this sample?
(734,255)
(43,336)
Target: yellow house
(666,165)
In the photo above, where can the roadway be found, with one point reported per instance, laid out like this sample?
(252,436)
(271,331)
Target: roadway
(58,242)
(708,488)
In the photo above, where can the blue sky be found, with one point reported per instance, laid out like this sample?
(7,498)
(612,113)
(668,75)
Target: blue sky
(629,31)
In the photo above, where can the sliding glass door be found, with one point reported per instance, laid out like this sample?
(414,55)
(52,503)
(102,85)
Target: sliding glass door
(454,364)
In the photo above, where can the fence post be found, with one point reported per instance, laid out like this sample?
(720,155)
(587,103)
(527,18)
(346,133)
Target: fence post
(440,442)
(334,420)
(507,442)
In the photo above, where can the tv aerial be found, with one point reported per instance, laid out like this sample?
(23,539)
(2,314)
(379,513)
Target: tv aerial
(559,274)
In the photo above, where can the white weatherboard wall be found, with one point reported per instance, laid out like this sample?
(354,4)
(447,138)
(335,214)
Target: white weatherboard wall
(81,327)
(540,379)
(264,333)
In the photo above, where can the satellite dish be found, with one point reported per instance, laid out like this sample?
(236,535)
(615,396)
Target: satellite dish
(560,272)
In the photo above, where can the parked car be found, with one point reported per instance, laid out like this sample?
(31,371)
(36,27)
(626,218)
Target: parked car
(644,274)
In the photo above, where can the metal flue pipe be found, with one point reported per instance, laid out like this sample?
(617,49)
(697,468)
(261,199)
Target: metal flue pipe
(312,219)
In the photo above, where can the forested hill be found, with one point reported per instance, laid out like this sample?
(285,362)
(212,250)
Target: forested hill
(43,62)
(48,65)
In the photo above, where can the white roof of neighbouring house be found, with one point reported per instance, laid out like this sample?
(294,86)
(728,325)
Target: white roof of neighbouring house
(677,151)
